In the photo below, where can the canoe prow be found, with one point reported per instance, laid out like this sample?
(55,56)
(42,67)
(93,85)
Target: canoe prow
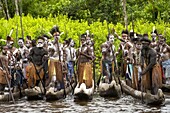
(7,97)
(34,93)
(110,90)
(83,93)
(52,95)
(148,98)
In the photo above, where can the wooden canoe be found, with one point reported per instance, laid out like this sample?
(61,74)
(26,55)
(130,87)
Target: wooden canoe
(83,93)
(56,95)
(7,97)
(165,87)
(110,90)
(35,93)
(148,98)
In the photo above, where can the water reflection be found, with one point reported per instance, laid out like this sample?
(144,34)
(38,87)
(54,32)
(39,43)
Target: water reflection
(126,104)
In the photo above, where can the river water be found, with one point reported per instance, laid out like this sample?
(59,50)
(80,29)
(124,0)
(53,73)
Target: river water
(126,104)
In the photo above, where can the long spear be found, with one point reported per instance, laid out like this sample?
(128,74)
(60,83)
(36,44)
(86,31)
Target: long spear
(17,32)
(133,26)
(21,19)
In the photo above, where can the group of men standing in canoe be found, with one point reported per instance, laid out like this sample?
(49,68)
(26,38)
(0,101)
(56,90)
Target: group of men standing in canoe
(143,62)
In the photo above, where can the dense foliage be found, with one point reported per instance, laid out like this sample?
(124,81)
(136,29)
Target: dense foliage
(92,10)
(74,28)
(74,17)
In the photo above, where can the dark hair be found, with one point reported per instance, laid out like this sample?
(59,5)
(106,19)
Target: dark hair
(46,36)
(40,37)
(69,40)
(139,36)
(125,32)
(33,43)
(54,30)
(83,36)
(131,34)
(21,39)
(155,31)
(145,35)
(28,37)
(134,40)
(145,40)
(66,42)
(8,38)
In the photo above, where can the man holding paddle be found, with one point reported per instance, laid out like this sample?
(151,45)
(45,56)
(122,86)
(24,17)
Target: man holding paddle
(151,71)
(37,56)
(108,56)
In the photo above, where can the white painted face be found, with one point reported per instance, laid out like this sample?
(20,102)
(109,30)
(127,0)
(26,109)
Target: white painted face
(20,43)
(154,38)
(104,50)
(88,40)
(10,44)
(111,38)
(40,43)
(153,35)
(46,40)
(83,41)
(28,43)
(161,41)
(139,46)
(124,36)
(72,43)
(57,37)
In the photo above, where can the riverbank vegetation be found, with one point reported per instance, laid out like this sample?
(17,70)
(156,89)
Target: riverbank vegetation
(74,17)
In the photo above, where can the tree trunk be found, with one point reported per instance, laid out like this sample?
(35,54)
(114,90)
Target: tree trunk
(17,9)
(2,5)
(4,9)
(125,13)
(7,11)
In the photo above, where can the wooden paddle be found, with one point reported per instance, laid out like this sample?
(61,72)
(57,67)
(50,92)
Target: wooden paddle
(71,85)
(142,90)
(38,73)
(101,73)
(142,85)
(98,82)
(59,54)
(114,59)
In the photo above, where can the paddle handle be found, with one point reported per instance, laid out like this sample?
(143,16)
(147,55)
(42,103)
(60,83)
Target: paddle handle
(142,90)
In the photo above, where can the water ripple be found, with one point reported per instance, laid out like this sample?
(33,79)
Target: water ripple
(126,104)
